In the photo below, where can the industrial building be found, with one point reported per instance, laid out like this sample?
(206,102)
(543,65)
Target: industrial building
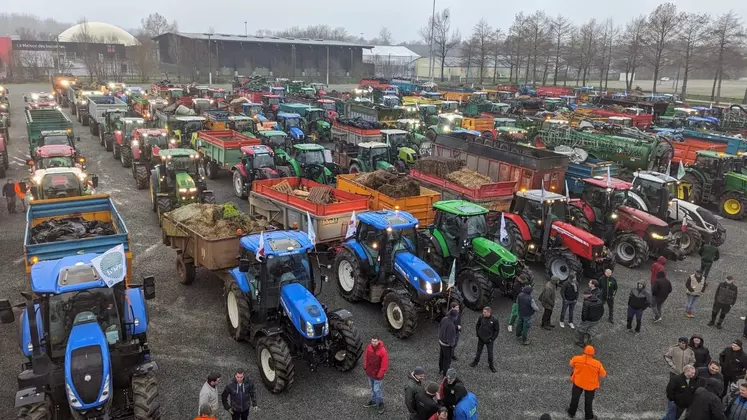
(391,61)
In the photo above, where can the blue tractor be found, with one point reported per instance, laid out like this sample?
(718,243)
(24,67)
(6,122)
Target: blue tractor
(269,303)
(293,125)
(379,264)
(86,351)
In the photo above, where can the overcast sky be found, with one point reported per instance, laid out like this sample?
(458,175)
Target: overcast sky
(402,17)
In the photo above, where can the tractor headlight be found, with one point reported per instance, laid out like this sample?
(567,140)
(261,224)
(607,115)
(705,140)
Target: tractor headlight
(656,236)
(105,392)
(30,347)
(71,397)
(613,216)
(428,288)
(309,330)
(172,141)
(326,327)
(135,143)
(183,190)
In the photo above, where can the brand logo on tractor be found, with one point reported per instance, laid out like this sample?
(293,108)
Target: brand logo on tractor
(401,271)
(570,235)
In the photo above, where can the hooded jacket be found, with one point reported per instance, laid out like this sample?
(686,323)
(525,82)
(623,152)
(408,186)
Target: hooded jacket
(702,354)
(639,297)
(706,403)
(726,294)
(451,393)
(592,309)
(733,363)
(447,330)
(659,265)
(547,297)
(677,358)
(376,361)
(661,289)
(607,287)
(680,390)
(709,253)
(527,307)
(695,286)
(425,405)
(466,408)
(239,397)
(587,370)
(737,409)
(569,290)
(411,390)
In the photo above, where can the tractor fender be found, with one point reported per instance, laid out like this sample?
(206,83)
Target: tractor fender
(356,249)
(118,137)
(577,240)
(240,168)
(268,332)
(340,314)
(25,332)
(242,280)
(638,200)
(520,223)
(146,368)
(296,133)
(136,311)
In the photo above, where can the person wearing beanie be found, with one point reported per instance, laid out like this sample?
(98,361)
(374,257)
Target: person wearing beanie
(414,385)
(679,356)
(527,307)
(660,291)
(726,297)
(587,372)
(450,391)
(592,312)
(447,336)
(425,402)
(547,300)
(733,362)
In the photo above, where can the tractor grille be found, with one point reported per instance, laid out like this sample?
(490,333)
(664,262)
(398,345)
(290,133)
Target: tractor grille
(87,363)
(318,330)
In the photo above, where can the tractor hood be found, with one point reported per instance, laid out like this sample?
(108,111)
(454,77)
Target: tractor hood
(640,217)
(578,235)
(737,175)
(382,164)
(407,154)
(87,364)
(304,311)
(322,125)
(296,133)
(489,250)
(416,272)
(184,180)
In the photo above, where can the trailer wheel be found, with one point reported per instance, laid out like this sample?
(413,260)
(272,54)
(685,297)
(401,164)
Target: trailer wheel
(38,411)
(145,400)
(578,218)
(476,288)
(211,169)
(125,156)
(108,141)
(185,269)
(350,282)
(275,363)
(400,315)
(733,206)
(153,201)
(690,240)
(431,134)
(239,186)
(238,310)
(95,129)
(630,250)
(562,263)
(348,345)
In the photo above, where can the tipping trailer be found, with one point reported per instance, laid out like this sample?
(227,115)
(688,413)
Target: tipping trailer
(47,122)
(98,105)
(216,119)
(77,96)
(590,168)
(221,149)
(353,135)
(99,207)
(734,145)
(493,196)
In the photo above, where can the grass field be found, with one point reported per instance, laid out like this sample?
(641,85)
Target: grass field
(696,89)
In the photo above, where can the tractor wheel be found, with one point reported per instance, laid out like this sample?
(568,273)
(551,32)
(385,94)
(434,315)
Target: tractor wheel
(108,142)
(141,177)
(208,198)
(350,282)
(349,345)
(694,196)
(488,135)
(239,188)
(116,151)
(475,287)
(125,156)
(38,411)
(733,206)
(514,242)
(95,129)
(211,170)
(630,250)
(145,398)
(354,169)
(578,218)
(275,363)
(153,201)
(238,311)
(690,240)
(561,263)
(431,134)
(185,270)
(400,314)
(164,206)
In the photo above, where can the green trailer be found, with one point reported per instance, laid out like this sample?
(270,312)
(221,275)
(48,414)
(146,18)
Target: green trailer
(41,121)
(221,149)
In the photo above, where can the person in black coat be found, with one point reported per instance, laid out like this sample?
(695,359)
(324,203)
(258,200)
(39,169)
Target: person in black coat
(726,297)
(447,336)
(660,290)
(702,354)
(487,330)
(607,292)
(425,402)
(706,404)
(680,390)
(733,363)
(713,370)
(239,396)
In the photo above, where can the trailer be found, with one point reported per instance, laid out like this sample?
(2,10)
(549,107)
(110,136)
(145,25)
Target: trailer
(734,145)
(221,149)
(98,105)
(43,123)
(373,113)
(590,168)
(493,196)
(216,119)
(353,135)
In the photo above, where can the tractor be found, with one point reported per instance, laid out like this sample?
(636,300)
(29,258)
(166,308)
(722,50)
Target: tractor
(716,177)
(378,264)
(446,124)
(242,124)
(53,137)
(293,125)
(257,162)
(179,179)
(403,145)
(56,156)
(270,304)
(365,157)
(112,124)
(143,153)
(633,235)
(458,234)
(86,352)
(538,228)
(270,104)
(318,125)
(123,137)
(308,161)
(47,184)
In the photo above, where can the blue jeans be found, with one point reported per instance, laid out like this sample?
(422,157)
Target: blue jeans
(672,411)
(690,304)
(569,305)
(377,394)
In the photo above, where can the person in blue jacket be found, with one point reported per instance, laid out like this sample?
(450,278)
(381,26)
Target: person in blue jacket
(466,408)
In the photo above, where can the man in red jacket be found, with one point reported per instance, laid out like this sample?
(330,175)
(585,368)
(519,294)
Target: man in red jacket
(376,363)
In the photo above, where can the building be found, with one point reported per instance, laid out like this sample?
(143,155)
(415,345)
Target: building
(193,54)
(391,61)
(456,70)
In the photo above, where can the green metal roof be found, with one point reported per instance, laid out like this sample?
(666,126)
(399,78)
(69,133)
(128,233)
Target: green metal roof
(460,207)
(715,155)
(308,147)
(177,152)
(272,133)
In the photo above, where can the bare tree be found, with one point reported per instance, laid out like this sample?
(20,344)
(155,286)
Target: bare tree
(482,38)
(660,30)
(605,42)
(468,55)
(385,36)
(497,48)
(517,45)
(537,29)
(728,34)
(156,24)
(444,39)
(693,33)
(572,55)
(144,57)
(559,30)
(588,49)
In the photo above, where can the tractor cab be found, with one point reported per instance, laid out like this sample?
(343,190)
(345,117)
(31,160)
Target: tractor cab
(270,104)
(56,156)
(401,145)
(128,126)
(113,120)
(620,121)
(307,92)
(504,122)
(179,180)
(539,209)
(277,140)
(172,94)
(250,109)
(278,91)
(653,191)
(427,111)
(54,183)
(40,100)
(217,95)
(445,125)
(328,106)
(715,163)
(318,124)
(292,124)
(257,162)
(601,198)
(448,107)
(184,129)
(319,88)
(370,157)
(242,124)
(310,161)
(150,142)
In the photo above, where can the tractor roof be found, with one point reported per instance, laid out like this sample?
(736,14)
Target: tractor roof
(239,118)
(657,177)
(273,133)
(189,118)
(54,150)
(714,155)
(40,173)
(256,150)
(504,119)
(450,116)
(296,105)
(151,131)
(133,119)
(279,242)
(177,152)
(460,207)
(382,219)
(312,109)
(393,131)
(535,195)
(288,115)
(308,147)
(271,96)
(615,183)
(372,145)
(49,277)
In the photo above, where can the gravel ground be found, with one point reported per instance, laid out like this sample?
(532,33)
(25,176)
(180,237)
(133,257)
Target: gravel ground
(189,339)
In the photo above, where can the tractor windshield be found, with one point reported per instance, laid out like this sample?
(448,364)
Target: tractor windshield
(132,125)
(219,95)
(290,269)
(557,210)
(98,303)
(398,140)
(309,157)
(402,240)
(291,122)
(176,94)
(273,101)
(477,226)
(49,140)
(264,160)
(242,126)
(162,142)
(276,141)
(327,106)
(56,162)
(381,153)
(316,115)
(183,164)
(61,186)
(192,126)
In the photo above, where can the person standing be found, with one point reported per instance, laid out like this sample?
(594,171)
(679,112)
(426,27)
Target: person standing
(209,395)
(527,307)
(680,391)
(706,404)
(238,396)
(733,362)
(425,402)
(466,408)
(20,188)
(708,254)
(569,295)
(726,297)
(737,408)
(702,354)
(486,330)
(638,301)
(9,192)
(547,299)
(592,312)
(450,391)
(660,266)
(458,325)
(695,286)
(414,385)
(679,356)
(375,364)
(712,371)
(447,334)
(608,289)
(660,291)
(587,372)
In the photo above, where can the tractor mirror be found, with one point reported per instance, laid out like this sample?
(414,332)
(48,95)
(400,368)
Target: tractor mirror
(95,181)
(149,287)
(6,312)
(244,265)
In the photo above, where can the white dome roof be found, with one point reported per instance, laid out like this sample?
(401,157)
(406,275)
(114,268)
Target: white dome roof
(103,31)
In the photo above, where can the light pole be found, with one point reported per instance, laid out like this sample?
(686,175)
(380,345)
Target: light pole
(246,30)
(431,61)
(210,63)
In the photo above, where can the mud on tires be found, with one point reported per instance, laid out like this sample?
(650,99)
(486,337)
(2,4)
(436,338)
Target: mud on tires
(145,399)
(38,411)
(275,364)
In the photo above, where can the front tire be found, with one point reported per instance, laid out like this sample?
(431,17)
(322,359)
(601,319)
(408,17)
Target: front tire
(211,170)
(125,156)
(146,403)
(275,364)
(116,152)
(38,411)
(350,282)
(630,250)
(348,336)
(475,288)
(354,168)
(733,205)
(141,177)
(514,242)
(690,240)
(399,314)
(578,218)
(562,263)
(238,311)
(239,188)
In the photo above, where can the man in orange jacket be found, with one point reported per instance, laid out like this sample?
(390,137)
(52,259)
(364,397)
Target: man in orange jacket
(586,373)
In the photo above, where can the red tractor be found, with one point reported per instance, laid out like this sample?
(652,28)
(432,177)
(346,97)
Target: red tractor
(56,156)
(143,152)
(123,136)
(538,228)
(257,162)
(633,235)
(270,104)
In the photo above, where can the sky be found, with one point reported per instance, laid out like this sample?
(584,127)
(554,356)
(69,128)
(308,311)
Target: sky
(402,17)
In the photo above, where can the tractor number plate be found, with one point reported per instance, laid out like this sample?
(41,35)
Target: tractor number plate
(326,222)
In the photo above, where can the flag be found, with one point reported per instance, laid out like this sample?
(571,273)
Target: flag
(261,248)
(542,191)
(567,191)
(609,178)
(669,168)
(452,276)
(352,224)
(503,232)
(111,265)
(311,234)
(680,170)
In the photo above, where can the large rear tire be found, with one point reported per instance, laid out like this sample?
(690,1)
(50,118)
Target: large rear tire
(125,156)
(630,250)
(400,315)
(694,195)
(164,206)
(561,263)
(690,240)
(578,218)
(346,333)
(238,311)
(141,177)
(38,411)
(350,282)
(514,242)
(475,287)
(145,400)
(733,206)
(431,134)
(275,363)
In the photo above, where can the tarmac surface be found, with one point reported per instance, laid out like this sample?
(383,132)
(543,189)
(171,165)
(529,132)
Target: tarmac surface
(189,338)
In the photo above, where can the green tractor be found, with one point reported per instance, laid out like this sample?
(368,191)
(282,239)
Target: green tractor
(112,124)
(308,160)
(482,265)
(318,125)
(716,177)
(365,157)
(178,180)
(403,146)
(242,124)
(446,124)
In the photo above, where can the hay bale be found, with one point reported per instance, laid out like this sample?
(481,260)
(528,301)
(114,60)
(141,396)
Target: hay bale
(214,221)
(438,166)
(468,178)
